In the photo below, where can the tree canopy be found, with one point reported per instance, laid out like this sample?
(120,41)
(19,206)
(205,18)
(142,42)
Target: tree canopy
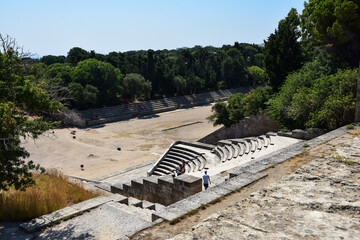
(103,76)
(136,87)
(334,24)
(239,105)
(23,103)
(282,50)
(314,76)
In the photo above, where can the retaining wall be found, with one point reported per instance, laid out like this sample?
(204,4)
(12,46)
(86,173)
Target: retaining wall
(164,190)
(250,126)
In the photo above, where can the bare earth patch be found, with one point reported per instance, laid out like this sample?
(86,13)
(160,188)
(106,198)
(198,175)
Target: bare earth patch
(140,140)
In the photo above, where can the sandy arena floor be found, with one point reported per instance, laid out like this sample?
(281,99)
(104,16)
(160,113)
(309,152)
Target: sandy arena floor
(141,140)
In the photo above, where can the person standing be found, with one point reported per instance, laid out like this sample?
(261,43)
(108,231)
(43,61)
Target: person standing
(206,179)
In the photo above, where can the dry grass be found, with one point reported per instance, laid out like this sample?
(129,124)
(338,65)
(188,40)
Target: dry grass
(355,132)
(52,192)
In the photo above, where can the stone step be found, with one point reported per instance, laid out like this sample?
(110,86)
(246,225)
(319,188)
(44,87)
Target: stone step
(183,152)
(158,173)
(48,219)
(187,149)
(144,214)
(202,160)
(265,141)
(147,205)
(253,145)
(104,186)
(226,153)
(134,202)
(216,151)
(117,188)
(259,144)
(231,152)
(178,157)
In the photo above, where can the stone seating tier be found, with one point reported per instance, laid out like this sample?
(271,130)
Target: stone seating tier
(125,111)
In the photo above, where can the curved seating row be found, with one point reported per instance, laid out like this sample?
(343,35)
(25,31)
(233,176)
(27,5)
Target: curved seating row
(194,161)
(233,148)
(113,113)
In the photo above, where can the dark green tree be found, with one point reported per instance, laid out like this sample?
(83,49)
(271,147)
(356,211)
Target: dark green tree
(334,24)
(82,97)
(136,87)
(51,59)
(301,80)
(180,84)
(76,55)
(106,78)
(256,75)
(220,115)
(282,50)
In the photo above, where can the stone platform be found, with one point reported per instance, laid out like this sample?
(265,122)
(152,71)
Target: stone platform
(319,201)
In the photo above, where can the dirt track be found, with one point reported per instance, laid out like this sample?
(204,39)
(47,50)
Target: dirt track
(141,140)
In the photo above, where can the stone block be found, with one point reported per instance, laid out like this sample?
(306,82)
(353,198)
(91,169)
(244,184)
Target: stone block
(137,183)
(300,134)
(104,186)
(187,181)
(118,198)
(150,182)
(134,202)
(126,189)
(117,188)
(167,181)
(137,188)
(159,206)
(148,205)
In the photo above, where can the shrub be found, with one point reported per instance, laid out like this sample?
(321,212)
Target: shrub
(238,106)
(350,127)
(256,100)
(313,98)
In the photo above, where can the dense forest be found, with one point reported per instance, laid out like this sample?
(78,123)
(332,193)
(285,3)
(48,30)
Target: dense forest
(311,62)
(86,79)
(310,65)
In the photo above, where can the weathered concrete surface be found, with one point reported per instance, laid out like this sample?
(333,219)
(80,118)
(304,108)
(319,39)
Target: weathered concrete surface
(105,222)
(321,200)
(45,220)
(195,201)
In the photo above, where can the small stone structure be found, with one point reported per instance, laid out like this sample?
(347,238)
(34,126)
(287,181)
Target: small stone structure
(304,134)
(164,190)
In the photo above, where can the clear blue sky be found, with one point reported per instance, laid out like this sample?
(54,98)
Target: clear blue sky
(55,26)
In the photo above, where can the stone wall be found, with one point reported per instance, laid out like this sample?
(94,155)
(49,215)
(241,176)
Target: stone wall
(72,117)
(249,126)
(357,108)
(164,190)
